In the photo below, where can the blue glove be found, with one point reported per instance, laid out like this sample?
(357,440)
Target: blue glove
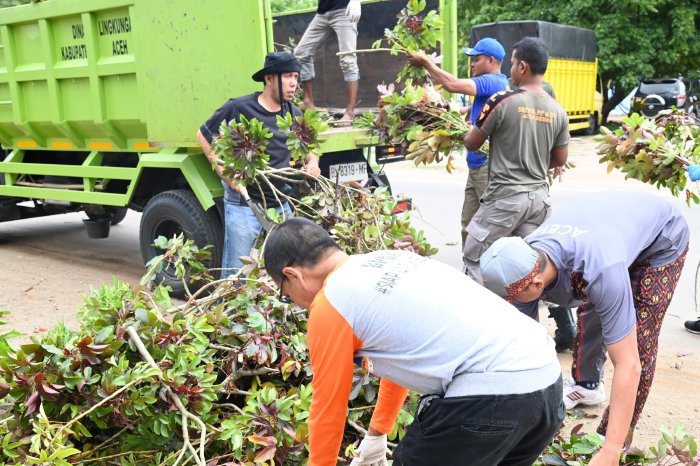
(693,172)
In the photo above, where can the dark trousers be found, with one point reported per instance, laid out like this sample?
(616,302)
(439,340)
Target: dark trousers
(483,430)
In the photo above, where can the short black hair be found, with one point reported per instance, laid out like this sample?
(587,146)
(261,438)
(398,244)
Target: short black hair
(534,52)
(296,241)
(544,258)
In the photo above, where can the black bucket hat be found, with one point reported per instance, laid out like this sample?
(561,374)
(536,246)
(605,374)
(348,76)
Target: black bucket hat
(278,62)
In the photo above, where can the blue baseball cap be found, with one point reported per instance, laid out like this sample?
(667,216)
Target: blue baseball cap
(487,46)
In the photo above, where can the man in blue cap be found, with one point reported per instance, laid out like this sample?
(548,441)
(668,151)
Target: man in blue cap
(529,134)
(280,76)
(487,79)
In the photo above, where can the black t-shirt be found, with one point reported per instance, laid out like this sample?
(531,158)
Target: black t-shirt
(324,6)
(277,147)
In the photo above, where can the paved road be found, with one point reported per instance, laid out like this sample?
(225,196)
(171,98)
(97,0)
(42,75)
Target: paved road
(438,196)
(48,262)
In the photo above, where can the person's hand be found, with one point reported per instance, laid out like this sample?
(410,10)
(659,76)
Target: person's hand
(693,172)
(354,10)
(371,452)
(312,170)
(417,59)
(605,457)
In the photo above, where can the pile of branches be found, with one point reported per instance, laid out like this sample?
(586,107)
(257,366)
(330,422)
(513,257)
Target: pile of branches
(655,151)
(222,379)
(413,32)
(419,119)
(240,148)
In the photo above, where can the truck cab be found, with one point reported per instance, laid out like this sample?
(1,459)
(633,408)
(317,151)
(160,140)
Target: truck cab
(572,69)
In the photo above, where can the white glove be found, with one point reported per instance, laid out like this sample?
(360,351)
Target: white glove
(354,10)
(372,451)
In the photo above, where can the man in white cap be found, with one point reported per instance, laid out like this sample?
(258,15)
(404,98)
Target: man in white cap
(617,256)
(486,59)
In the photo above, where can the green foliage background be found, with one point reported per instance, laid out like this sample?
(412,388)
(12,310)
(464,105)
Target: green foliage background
(279,6)
(637,39)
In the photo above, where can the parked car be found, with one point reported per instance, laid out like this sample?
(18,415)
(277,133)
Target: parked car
(654,95)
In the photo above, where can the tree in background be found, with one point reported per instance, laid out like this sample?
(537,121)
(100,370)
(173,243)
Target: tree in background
(283,6)
(637,39)
(6,3)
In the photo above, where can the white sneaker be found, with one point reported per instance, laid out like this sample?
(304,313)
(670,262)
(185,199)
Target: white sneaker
(577,395)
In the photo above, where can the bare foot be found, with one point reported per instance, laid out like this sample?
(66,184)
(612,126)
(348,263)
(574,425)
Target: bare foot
(347,120)
(350,117)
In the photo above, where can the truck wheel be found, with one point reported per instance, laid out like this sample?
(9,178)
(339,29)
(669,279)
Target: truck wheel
(118,215)
(171,213)
(592,125)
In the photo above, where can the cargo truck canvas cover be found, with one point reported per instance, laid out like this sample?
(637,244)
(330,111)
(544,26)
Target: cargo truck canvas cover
(572,69)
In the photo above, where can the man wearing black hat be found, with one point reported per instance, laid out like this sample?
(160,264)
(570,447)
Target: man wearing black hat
(280,76)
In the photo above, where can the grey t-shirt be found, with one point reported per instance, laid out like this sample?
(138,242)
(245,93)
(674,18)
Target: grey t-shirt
(524,127)
(594,240)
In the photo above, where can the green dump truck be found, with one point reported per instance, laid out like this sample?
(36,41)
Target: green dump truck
(100,102)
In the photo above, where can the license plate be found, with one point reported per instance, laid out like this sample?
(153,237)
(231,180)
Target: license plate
(353,171)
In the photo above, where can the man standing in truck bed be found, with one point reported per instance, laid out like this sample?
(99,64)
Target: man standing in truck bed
(241,227)
(529,134)
(487,79)
(341,17)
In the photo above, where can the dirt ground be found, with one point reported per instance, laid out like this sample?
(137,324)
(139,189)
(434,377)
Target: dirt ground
(48,263)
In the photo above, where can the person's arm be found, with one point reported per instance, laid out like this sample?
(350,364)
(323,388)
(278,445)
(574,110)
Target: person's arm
(558,156)
(485,125)
(211,156)
(331,348)
(390,399)
(474,139)
(449,82)
(627,368)
(311,165)
(610,293)
(560,151)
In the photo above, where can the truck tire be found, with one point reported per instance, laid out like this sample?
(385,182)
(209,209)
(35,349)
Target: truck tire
(592,125)
(118,215)
(171,213)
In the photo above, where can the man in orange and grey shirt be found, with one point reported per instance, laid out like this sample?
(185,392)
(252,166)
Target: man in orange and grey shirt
(424,326)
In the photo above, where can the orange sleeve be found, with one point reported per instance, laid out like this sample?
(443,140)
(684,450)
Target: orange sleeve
(332,345)
(390,399)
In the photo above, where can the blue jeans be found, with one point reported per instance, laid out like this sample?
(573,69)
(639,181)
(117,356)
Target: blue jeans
(241,228)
